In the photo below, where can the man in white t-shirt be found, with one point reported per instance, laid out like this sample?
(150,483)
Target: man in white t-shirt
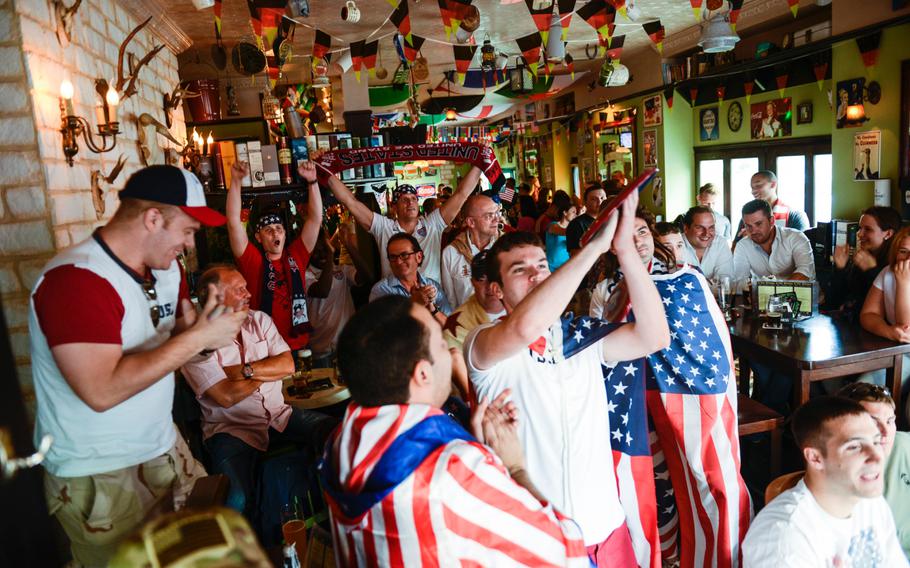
(481,221)
(427,229)
(836,516)
(704,247)
(561,393)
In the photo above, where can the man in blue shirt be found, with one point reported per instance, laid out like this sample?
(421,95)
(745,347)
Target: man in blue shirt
(405,257)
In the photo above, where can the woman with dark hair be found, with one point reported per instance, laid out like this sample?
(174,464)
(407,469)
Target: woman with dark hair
(546,211)
(853,277)
(564,211)
(527,211)
(610,300)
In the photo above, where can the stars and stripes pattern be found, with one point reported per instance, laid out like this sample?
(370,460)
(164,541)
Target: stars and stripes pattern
(406,486)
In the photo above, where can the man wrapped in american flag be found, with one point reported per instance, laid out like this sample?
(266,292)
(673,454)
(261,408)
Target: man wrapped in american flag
(553,369)
(405,484)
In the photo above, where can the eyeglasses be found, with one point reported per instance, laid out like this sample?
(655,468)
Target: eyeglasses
(402,257)
(489,216)
(148,288)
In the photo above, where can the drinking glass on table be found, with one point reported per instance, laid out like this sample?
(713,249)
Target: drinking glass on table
(293,528)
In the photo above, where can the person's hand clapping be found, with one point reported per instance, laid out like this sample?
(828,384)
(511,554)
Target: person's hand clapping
(623,240)
(500,432)
(841,255)
(864,260)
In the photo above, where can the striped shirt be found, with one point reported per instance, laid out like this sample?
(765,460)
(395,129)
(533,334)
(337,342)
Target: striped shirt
(457,506)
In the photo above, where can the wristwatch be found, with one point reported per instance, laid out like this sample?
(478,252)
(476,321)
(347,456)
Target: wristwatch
(434,309)
(247,371)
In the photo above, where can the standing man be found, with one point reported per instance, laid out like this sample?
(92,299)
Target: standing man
(110,320)
(707,195)
(426,229)
(276,277)
(704,247)
(406,257)
(836,515)
(482,218)
(764,187)
(566,435)
(594,197)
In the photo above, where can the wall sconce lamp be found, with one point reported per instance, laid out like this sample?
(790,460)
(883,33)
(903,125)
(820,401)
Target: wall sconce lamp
(451,114)
(73,126)
(872,93)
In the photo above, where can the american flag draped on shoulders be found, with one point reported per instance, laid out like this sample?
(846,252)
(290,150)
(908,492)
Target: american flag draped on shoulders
(691,399)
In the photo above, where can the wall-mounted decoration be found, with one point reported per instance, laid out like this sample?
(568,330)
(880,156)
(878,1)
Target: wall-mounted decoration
(548,174)
(804,113)
(735,116)
(867,152)
(849,97)
(707,120)
(649,147)
(653,111)
(587,170)
(771,119)
(657,192)
(530,112)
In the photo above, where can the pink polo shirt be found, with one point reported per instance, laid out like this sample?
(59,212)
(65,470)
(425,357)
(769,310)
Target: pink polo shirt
(250,419)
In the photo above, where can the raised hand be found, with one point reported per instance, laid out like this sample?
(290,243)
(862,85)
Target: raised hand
(864,260)
(841,255)
(218,324)
(623,241)
(307,171)
(902,272)
(239,170)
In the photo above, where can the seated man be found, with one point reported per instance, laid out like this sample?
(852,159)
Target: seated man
(482,306)
(896,448)
(239,389)
(405,484)
(836,515)
(707,195)
(764,187)
(770,250)
(704,247)
(405,257)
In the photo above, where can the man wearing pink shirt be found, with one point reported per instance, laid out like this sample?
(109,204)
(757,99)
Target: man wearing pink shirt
(239,390)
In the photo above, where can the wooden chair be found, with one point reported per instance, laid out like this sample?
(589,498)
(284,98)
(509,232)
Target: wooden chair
(755,417)
(781,484)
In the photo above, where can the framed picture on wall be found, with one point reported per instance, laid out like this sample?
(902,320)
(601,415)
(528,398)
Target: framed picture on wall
(867,153)
(708,128)
(804,113)
(548,174)
(771,119)
(653,111)
(849,92)
(649,147)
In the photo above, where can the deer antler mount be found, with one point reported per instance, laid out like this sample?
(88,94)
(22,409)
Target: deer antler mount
(64,18)
(97,192)
(173,99)
(126,84)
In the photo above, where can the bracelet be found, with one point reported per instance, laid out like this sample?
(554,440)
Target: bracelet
(435,309)
(314,182)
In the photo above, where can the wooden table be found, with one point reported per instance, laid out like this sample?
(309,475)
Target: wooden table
(320,398)
(816,349)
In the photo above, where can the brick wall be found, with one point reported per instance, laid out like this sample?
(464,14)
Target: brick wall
(45,205)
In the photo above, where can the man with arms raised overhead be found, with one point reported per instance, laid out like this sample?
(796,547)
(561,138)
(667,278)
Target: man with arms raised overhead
(561,391)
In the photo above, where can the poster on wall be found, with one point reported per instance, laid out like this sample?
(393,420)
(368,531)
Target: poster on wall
(771,119)
(653,111)
(867,153)
(849,93)
(649,145)
(548,174)
(707,120)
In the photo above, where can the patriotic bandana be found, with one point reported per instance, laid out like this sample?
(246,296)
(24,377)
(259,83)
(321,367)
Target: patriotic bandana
(268,219)
(403,189)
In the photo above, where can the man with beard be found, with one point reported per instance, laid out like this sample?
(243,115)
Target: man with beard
(836,515)
(275,276)
(764,187)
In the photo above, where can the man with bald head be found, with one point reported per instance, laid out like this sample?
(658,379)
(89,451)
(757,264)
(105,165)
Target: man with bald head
(482,219)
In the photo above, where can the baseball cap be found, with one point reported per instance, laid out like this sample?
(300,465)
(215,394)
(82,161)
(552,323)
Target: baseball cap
(172,186)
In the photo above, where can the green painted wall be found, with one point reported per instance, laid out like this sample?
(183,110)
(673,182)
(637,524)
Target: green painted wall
(852,196)
(677,157)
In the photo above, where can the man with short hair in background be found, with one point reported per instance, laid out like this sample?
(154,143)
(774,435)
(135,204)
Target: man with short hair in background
(706,197)
(764,187)
(481,222)
(704,247)
(406,257)
(482,306)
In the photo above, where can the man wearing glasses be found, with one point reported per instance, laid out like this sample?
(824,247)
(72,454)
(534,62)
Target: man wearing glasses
(481,231)
(110,319)
(405,256)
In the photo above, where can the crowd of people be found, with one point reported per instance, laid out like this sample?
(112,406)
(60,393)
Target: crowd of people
(585,369)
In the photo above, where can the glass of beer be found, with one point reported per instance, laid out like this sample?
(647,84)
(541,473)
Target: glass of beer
(293,529)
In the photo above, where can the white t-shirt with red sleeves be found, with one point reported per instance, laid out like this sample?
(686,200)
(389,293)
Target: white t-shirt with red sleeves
(328,315)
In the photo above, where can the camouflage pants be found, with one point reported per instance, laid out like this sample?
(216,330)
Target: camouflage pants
(98,511)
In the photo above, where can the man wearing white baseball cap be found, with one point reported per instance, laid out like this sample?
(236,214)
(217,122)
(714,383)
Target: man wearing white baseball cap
(110,320)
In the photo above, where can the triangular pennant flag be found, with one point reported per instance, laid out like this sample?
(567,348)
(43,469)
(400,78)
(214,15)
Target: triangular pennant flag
(820,70)
(542,17)
(794,6)
(218,8)
(620,6)
(446,14)
(693,94)
(735,7)
(656,32)
(357,57)
(393,3)
(566,7)
(458,10)
(274,73)
(721,89)
(370,52)
(748,85)
(463,56)
(321,44)
(402,20)
(668,96)
(530,50)
(270,19)
(615,50)
(868,47)
(781,76)
(255,23)
(696,9)
(570,64)
(594,13)
(412,49)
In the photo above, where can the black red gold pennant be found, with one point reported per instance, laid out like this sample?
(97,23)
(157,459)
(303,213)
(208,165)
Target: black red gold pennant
(735,7)
(368,56)
(542,17)
(530,50)
(565,7)
(412,49)
(463,56)
(357,57)
(321,44)
(868,47)
(614,52)
(401,19)
(656,32)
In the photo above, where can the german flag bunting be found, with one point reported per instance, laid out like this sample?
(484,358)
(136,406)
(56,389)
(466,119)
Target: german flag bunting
(721,90)
(393,3)
(412,49)
(570,64)
(446,14)
(566,7)
(458,10)
(656,32)
(748,85)
(370,52)
(868,47)
(693,94)
(402,20)
(820,68)
(218,8)
(270,17)
(668,96)
(272,70)
(794,6)
(530,50)
(735,7)
(599,16)
(620,6)
(463,56)
(255,23)
(357,57)
(321,44)
(614,52)
(542,17)
(696,9)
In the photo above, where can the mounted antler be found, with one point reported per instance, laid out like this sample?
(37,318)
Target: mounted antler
(97,177)
(134,71)
(64,17)
(173,99)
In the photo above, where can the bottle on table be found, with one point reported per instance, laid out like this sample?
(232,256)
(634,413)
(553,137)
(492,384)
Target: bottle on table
(305,365)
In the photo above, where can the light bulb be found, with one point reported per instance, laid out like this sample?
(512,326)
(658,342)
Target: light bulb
(67,90)
(112,97)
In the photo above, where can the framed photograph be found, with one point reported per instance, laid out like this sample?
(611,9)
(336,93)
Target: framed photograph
(735,116)
(804,113)
(867,153)
(708,127)
(653,111)
(771,119)
(649,147)
(587,170)
(849,92)
(530,112)
(548,174)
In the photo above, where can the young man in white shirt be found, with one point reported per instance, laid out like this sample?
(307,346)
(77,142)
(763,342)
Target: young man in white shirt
(707,195)
(836,516)
(704,247)
(560,392)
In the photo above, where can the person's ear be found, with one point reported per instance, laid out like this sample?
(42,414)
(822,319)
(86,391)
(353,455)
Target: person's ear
(419,257)
(495,290)
(421,377)
(888,234)
(152,218)
(814,459)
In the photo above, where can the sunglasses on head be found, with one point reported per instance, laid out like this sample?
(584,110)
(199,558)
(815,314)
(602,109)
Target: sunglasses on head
(148,288)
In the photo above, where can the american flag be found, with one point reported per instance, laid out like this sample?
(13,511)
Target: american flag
(507,193)
(691,398)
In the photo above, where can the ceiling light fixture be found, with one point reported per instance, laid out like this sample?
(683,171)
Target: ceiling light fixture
(451,114)
(717,36)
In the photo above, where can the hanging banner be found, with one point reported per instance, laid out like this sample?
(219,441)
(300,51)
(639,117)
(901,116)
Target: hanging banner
(668,96)
(615,50)
(781,76)
(463,56)
(446,14)
(570,64)
(735,7)
(412,49)
(336,161)
(656,32)
(599,16)
(530,51)
(620,6)
(402,20)
(321,45)
(794,6)
(357,57)
(868,47)
(696,9)
(542,16)
(458,10)
(566,7)
(370,51)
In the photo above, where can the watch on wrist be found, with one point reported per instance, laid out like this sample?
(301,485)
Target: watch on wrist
(247,371)
(434,309)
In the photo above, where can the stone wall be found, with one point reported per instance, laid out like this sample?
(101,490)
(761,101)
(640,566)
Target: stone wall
(46,205)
